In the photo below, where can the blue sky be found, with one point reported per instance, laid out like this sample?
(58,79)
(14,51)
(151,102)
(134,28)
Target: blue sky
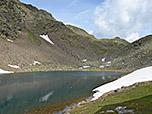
(128,19)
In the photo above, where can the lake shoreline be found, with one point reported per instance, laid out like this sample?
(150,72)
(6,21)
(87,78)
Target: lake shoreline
(58,107)
(68,105)
(55,90)
(73,70)
(104,96)
(73,104)
(100,92)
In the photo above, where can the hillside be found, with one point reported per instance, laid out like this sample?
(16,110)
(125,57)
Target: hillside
(136,98)
(33,40)
(134,56)
(129,94)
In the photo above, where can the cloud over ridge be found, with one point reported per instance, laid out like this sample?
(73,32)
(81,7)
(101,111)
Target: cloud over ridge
(129,19)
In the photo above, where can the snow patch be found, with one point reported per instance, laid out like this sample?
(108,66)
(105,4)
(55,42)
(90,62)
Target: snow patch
(109,62)
(36,63)
(84,60)
(101,66)
(141,75)
(85,67)
(10,40)
(13,66)
(46,37)
(107,65)
(103,59)
(5,72)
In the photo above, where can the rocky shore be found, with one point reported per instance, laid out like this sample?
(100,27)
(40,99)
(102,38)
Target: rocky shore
(69,107)
(82,106)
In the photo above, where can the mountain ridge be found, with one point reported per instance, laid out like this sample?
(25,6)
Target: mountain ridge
(21,28)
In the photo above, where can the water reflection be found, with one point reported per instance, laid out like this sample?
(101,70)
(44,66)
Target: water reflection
(24,91)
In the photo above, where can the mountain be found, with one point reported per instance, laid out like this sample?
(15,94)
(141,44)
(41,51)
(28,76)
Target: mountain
(133,56)
(33,40)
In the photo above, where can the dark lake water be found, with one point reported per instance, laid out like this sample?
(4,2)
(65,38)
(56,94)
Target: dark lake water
(21,92)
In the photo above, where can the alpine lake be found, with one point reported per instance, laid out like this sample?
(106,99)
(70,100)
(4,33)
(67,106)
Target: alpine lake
(22,92)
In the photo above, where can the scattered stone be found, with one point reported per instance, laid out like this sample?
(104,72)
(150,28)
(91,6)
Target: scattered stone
(102,112)
(82,102)
(123,110)
(110,111)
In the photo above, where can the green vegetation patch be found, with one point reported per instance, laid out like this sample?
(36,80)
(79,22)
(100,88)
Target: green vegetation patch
(33,38)
(116,98)
(49,67)
(138,106)
(1,26)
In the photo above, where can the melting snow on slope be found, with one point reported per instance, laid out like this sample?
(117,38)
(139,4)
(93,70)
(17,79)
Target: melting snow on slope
(141,75)
(103,59)
(10,40)
(101,66)
(13,66)
(109,62)
(45,37)
(36,63)
(5,72)
(85,67)
(84,60)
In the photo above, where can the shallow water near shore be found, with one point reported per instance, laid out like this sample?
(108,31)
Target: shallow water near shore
(21,92)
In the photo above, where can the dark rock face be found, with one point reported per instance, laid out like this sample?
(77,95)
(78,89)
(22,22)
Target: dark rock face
(11,18)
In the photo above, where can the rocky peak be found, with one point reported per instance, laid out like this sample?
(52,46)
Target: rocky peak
(11,18)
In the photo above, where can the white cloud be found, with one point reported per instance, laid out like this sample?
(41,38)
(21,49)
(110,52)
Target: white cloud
(81,13)
(72,3)
(132,37)
(91,32)
(128,19)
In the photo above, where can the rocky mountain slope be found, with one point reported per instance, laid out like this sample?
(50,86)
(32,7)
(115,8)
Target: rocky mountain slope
(33,40)
(23,29)
(133,56)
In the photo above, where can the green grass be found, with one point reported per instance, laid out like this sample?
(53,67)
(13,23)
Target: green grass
(107,70)
(138,106)
(33,38)
(1,26)
(49,67)
(119,97)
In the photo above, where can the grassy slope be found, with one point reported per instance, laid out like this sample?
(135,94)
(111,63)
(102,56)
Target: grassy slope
(143,90)
(138,106)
